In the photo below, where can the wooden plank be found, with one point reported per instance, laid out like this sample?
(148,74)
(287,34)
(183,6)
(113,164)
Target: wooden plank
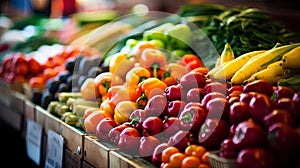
(29,110)
(5,92)
(74,139)
(11,117)
(17,102)
(71,160)
(47,120)
(119,159)
(86,165)
(97,153)
(29,113)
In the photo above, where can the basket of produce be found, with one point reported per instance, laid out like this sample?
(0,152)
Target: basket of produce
(220,162)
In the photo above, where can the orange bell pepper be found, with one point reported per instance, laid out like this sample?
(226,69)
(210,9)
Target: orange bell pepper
(136,75)
(120,93)
(153,59)
(121,63)
(172,73)
(104,81)
(147,89)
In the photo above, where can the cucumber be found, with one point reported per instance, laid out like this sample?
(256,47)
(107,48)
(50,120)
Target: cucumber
(64,96)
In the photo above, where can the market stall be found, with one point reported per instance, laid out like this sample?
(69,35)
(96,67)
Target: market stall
(153,85)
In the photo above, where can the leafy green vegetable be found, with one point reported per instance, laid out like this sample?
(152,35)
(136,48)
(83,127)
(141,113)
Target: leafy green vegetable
(245,29)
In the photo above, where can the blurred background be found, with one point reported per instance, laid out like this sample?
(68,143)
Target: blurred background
(288,11)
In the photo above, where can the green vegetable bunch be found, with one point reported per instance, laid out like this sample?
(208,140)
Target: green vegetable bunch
(246,29)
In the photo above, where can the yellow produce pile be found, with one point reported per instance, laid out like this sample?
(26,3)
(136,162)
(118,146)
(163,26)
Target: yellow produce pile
(274,65)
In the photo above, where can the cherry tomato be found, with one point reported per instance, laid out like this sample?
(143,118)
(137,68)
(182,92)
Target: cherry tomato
(195,150)
(190,161)
(176,159)
(205,159)
(166,154)
(202,165)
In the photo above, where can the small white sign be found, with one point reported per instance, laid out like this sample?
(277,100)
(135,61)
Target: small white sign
(33,140)
(54,153)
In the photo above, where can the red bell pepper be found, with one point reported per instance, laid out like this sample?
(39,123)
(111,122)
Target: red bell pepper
(103,128)
(249,134)
(157,106)
(147,146)
(282,138)
(212,133)
(129,141)
(256,157)
(191,61)
(192,118)
(175,92)
(137,117)
(181,140)
(152,126)
(229,149)
(175,107)
(114,134)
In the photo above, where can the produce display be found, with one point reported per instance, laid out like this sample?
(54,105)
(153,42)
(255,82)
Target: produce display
(169,95)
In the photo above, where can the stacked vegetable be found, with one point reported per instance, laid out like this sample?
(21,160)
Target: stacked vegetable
(278,65)
(154,98)
(245,29)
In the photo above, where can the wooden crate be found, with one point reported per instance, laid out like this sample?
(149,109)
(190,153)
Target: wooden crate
(17,101)
(29,110)
(96,153)
(74,138)
(29,113)
(71,160)
(11,117)
(86,165)
(5,92)
(47,120)
(6,89)
(119,159)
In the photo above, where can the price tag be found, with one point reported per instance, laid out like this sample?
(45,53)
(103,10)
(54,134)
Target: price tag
(33,140)
(54,153)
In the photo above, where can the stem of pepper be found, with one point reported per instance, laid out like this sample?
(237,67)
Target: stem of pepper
(154,68)
(135,120)
(142,78)
(187,118)
(106,84)
(144,98)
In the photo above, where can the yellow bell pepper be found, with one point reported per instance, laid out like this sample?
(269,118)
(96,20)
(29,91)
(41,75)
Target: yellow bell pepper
(123,111)
(121,63)
(136,75)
